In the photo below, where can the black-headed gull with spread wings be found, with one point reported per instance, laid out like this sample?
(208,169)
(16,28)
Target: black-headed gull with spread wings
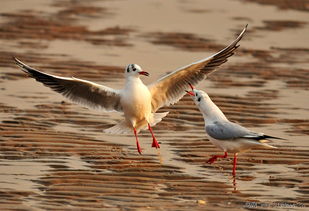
(137,101)
(226,135)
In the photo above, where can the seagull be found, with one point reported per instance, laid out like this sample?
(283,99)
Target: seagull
(137,101)
(224,134)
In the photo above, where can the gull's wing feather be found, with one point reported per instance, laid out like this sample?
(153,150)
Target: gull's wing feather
(228,130)
(171,88)
(80,91)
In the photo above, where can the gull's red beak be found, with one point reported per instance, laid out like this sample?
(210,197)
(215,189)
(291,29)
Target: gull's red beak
(143,73)
(190,93)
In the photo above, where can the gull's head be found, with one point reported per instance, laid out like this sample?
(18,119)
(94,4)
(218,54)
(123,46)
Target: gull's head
(209,110)
(135,71)
(199,97)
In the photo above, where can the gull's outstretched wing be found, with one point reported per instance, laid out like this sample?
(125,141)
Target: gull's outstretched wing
(171,88)
(80,91)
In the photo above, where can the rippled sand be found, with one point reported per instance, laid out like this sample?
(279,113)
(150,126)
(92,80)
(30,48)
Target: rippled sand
(54,155)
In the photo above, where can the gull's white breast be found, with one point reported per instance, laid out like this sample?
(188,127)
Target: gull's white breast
(136,102)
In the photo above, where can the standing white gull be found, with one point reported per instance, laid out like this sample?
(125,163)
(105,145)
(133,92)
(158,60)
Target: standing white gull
(226,135)
(137,101)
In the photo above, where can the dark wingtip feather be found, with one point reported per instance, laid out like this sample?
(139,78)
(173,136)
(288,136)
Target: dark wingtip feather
(272,137)
(261,137)
(245,29)
(17,61)
(23,66)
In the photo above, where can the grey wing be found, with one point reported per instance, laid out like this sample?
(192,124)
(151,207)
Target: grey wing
(228,130)
(171,88)
(80,91)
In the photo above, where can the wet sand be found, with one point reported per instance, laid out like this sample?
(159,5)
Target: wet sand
(54,155)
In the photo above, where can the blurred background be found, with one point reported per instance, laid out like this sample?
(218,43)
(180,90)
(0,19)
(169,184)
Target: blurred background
(54,154)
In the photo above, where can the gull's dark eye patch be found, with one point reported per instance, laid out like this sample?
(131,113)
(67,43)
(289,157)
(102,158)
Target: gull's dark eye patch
(199,99)
(134,69)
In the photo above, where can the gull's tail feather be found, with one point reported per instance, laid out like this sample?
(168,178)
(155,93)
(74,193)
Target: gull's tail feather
(264,143)
(123,128)
(120,128)
(156,118)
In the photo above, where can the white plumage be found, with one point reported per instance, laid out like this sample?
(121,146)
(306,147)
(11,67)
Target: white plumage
(226,135)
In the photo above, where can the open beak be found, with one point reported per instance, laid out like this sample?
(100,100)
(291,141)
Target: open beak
(190,93)
(144,73)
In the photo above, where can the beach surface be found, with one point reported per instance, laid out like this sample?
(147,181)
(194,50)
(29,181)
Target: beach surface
(54,154)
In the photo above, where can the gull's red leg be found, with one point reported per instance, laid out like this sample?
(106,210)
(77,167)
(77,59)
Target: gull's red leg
(234,183)
(215,157)
(137,144)
(154,140)
(234,164)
